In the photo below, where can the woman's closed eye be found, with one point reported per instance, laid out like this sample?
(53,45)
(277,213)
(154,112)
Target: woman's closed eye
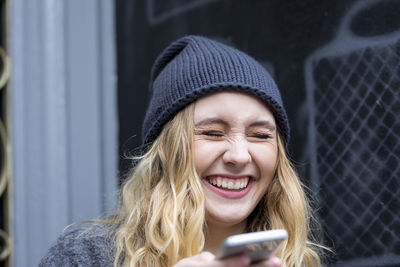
(210,133)
(213,133)
(261,136)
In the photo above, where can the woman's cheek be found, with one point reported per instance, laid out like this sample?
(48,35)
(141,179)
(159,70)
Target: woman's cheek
(205,154)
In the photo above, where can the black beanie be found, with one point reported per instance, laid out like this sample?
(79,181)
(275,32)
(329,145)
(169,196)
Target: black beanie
(194,66)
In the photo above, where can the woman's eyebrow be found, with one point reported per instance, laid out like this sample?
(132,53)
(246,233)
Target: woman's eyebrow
(208,121)
(264,123)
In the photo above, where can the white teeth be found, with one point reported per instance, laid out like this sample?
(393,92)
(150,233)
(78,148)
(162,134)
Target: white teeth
(231,184)
(237,185)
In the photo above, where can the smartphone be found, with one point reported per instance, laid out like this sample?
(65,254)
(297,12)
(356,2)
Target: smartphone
(257,246)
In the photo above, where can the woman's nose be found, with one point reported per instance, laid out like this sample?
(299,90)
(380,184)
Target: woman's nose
(237,153)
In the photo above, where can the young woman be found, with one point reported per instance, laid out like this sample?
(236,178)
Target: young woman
(213,165)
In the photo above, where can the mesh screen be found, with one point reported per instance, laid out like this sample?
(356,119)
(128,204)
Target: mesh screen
(357,123)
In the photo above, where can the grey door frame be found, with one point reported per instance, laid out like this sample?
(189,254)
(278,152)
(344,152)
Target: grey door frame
(63,119)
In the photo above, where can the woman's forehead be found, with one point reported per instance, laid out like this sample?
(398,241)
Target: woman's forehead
(228,96)
(232,106)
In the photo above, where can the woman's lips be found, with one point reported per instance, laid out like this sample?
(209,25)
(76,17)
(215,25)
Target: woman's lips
(228,186)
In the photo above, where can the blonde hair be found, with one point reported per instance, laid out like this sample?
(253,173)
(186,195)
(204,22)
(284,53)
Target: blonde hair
(161,213)
(161,216)
(285,206)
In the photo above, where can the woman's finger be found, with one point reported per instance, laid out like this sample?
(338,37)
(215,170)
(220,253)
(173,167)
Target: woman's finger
(271,262)
(207,259)
(237,261)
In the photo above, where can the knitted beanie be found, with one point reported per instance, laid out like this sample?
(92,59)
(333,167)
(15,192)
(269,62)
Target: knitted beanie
(194,66)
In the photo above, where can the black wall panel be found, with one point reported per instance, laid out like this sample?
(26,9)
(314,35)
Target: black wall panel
(337,64)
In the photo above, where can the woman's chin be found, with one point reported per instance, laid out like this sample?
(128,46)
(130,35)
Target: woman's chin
(226,215)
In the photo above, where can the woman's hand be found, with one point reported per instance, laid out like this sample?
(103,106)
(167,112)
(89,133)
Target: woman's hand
(208,259)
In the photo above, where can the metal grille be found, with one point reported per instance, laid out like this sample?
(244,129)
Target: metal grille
(353,92)
(358,147)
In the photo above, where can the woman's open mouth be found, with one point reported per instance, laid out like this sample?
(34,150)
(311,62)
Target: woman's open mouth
(236,184)
(229,186)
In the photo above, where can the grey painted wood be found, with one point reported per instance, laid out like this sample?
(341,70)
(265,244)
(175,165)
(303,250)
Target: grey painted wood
(63,118)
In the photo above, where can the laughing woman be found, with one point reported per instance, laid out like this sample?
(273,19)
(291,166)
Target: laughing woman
(213,165)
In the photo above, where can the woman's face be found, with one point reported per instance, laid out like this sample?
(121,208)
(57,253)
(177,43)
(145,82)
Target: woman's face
(235,153)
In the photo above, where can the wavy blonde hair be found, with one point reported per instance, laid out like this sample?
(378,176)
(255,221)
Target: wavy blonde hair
(161,216)
(285,206)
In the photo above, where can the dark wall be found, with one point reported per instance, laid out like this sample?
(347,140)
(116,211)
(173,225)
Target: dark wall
(280,34)
(337,65)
